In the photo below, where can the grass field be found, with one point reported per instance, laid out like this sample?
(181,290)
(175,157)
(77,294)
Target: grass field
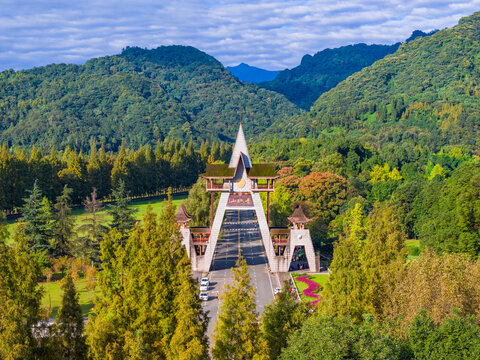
(141,206)
(413,247)
(53,295)
(320,279)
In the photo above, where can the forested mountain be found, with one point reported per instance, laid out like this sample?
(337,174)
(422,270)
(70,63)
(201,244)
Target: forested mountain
(140,95)
(427,92)
(247,73)
(319,73)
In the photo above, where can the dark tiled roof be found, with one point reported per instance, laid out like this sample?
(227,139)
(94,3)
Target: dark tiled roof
(262,171)
(298,216)
(182,215)
(219,171)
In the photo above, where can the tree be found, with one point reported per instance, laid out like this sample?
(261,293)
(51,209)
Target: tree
(236,334)
(20,298)
(436,284)
(456,337)
(344,291)
(92,228)
(450,220)
(383,256)
(332,337)
(280,319)
(366,262)
(69,323)
(198,204)
(122,215)
(189,341)
(63,225)
(38,220)
(149,307)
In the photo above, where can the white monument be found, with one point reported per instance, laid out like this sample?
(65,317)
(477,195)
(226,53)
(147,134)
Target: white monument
(240,183)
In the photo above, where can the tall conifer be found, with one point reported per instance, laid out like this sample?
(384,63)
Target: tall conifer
(122,214)
(70,323)
(236,334)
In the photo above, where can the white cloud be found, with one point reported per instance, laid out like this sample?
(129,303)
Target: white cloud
(270,34)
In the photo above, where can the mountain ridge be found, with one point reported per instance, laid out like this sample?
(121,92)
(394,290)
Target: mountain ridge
(140,95)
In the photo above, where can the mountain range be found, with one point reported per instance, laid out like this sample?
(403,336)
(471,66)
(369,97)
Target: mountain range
(139,95)
(319,73)
(427,92)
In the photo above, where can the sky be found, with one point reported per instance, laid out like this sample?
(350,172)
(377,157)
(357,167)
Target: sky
(273,34)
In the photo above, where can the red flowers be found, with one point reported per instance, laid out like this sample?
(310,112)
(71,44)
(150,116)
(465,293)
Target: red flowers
(312,286)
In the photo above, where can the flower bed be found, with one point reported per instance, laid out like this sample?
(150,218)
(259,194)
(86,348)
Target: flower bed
(311,289)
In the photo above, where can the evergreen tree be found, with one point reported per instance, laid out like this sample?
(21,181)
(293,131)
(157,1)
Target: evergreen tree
(280,319)
(237,333)
(20,299)
(63,226)
(383,256)
(122,215)
(344,291)
(189,339)
(69,323)
(149,307)
(38,220)
(92,228)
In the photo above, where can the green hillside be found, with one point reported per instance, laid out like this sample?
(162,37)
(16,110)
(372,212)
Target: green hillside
(427,92)
(140,95)
(317,74)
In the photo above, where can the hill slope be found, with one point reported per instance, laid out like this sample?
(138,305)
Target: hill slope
(140,95)
(317,74)
(247,73)
(427,91)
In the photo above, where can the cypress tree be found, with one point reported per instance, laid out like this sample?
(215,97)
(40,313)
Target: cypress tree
(69,322)
(280,319)
(89,244)
(20,299)
(189,339)
(122,215)
(38,220)
(236,333)
(63,226)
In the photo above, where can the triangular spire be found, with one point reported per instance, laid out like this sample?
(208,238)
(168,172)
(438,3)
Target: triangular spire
(240,149)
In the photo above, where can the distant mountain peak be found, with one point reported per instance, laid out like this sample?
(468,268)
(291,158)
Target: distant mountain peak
(248,73)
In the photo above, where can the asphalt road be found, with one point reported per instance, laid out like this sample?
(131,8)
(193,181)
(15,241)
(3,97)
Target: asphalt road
(240,230)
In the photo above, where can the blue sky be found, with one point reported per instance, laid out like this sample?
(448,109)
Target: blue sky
(269,34)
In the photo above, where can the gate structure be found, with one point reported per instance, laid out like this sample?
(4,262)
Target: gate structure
(240,183)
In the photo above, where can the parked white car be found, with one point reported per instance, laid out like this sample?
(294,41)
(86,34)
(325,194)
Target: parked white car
(203,296)
(204,281)
(203,287)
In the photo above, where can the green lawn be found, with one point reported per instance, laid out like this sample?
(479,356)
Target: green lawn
(53,295)
(413,247)
(141,206)
(320,279)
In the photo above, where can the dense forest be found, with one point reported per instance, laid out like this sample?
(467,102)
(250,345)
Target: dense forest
(141,96)
(319,73)
(145,171)
(384,103)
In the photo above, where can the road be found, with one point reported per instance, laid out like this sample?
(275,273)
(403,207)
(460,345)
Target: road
(240,230)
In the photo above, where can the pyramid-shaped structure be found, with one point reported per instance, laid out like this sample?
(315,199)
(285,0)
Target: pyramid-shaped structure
(240,150)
